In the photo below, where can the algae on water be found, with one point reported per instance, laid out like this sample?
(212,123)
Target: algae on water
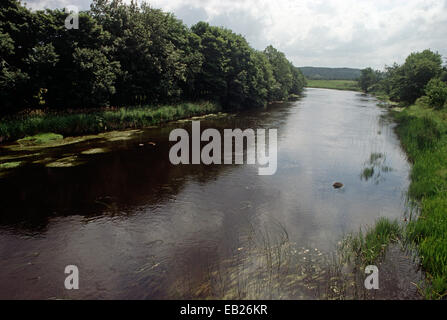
(95,151)
(10,165)
(66,162)
(41,138)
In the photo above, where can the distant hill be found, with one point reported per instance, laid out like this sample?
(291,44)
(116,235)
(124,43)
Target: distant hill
(316,73)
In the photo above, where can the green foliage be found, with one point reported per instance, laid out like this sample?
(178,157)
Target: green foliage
(368,247)
(334,84)
(289,79)
(96,121)
(129,54)
(318,73)
(423,133)
(436,91)
(406,83)
(368,78)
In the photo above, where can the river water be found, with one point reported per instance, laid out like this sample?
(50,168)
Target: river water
(138,227)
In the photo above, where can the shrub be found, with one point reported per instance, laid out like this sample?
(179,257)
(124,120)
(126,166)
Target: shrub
(423,101)
(436,90)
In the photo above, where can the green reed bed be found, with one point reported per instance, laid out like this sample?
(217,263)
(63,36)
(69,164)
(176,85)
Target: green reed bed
(91,122)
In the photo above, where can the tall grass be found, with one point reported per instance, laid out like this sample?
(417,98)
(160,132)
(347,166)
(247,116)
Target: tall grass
(423,133)
(369,246)
(72,124)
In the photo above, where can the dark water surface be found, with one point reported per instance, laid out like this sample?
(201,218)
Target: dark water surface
(139,227)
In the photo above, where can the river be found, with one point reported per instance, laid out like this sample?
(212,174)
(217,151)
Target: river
(138,227)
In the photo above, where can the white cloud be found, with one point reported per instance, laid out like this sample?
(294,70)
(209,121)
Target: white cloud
(321,33)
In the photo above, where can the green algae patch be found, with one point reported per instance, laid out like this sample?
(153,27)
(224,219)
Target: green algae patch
(204,117)
(28,144)
(43,160)
(119,135)
(71,161)
(49,144)
(40,139)
(95,151)
(10,165)
(10,157)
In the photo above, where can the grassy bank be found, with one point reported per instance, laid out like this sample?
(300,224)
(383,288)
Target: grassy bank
(334,84)
(423,134)
(92,122)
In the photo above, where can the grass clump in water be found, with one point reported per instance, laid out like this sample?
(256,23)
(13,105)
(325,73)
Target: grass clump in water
(367,173)
(365,248)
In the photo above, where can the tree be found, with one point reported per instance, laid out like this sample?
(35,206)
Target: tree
(436,91)
(129,54)
(367,79)
(409,80)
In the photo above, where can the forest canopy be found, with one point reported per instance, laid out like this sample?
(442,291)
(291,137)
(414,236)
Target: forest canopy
(129,54)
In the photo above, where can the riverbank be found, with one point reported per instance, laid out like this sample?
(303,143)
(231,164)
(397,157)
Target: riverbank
(349,85)
(423,134)
(99,120)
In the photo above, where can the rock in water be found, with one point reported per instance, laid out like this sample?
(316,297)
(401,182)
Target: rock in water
(338,185)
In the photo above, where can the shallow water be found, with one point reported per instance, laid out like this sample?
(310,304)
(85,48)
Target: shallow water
(138,227)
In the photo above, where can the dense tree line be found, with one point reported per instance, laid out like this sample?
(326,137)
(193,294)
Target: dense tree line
(131,55)
(318,73)
(422,75)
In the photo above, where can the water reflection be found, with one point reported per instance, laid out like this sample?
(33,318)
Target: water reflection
(139,227)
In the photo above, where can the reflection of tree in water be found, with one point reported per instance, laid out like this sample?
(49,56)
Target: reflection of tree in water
(127,177)
(119,180)
(375,168)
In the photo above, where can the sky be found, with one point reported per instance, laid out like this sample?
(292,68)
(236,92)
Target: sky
(321,33)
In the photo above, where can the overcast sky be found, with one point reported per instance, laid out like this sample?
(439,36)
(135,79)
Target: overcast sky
(326,33)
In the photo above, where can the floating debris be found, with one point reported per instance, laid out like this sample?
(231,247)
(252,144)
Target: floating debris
(337,185)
